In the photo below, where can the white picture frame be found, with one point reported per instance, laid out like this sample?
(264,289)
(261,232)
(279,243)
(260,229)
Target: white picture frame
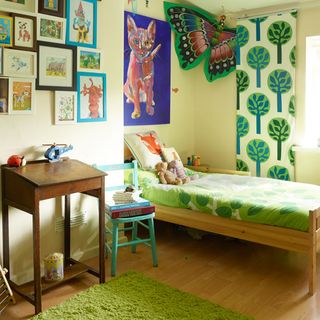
(26,6)
(57,31)
(94,60)
(19,63)
(21,96)
(65,107)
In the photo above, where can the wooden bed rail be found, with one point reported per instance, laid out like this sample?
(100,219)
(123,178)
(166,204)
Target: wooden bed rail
(284,238)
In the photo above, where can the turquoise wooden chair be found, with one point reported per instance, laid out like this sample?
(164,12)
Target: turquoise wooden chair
(129,223)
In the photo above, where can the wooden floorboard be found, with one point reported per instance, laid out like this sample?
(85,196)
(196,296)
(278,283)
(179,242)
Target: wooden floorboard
(261,281)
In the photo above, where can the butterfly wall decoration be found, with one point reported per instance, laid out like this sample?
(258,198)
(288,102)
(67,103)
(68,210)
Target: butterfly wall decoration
(201,36)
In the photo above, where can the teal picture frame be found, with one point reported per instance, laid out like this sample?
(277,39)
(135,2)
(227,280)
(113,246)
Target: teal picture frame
(92,97)
(81,18)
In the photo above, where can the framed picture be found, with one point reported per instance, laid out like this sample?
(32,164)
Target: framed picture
(6,28)
(65,107)
(18,63)
(92,103)
(56,67)
(4,94)
(1,60)
(19,6)
(89,59)
(24,32)
(82,23)
(21,96)
(51,29)
(51,7)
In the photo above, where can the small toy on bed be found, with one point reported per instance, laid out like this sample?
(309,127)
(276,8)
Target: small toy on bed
(166,176)
(176,167)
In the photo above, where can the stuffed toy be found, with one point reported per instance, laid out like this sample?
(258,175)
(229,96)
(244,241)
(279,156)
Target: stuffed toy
(176,167)
(166,176)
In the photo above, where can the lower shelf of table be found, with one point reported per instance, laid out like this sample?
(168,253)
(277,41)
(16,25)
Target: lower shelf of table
(73,270)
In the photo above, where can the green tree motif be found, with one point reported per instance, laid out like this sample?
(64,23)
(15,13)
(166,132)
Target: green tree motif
(292,56)
(258,58)
(279,33)
(258,105)
(292,106)
(279,172)
(242,165)
(258,21)
(279,82)
(294,14)
(292,156)
(242,40)
(243,83)
(258,151)
(279,130)
(242,129)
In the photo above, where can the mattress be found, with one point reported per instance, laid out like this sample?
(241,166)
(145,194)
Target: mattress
(258,200)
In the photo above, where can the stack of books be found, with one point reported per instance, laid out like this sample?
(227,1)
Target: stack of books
(124,209)
(120,197)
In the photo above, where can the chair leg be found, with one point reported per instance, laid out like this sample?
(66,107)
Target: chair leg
(114,249)
(153,242)
(134,236)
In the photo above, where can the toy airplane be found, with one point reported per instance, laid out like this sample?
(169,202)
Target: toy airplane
(56,150)
(6,294)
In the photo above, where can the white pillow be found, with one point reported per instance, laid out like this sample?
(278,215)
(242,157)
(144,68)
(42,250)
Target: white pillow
(170,154)
(145,147)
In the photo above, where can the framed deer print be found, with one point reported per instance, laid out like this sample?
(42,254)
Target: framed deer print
(147,52)
(24,32)
(92,97)
(21,96)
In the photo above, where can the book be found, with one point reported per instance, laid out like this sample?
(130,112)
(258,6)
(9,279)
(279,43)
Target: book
(124,213)
(111,205)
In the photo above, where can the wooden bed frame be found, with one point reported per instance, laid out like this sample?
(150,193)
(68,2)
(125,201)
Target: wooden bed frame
(284,238)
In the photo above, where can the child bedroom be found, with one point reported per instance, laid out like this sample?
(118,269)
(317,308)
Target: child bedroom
(160,159)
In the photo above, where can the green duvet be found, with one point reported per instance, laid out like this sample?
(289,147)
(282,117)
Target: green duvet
(260,200)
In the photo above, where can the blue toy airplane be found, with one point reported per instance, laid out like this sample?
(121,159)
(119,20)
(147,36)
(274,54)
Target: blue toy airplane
(56,150)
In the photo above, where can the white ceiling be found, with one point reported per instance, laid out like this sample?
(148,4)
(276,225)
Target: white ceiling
(243,6)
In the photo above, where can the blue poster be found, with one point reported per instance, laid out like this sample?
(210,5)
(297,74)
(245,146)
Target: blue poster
(147,52)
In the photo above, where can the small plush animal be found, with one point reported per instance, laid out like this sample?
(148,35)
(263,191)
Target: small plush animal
(140,75)
(176,167)
(166,176)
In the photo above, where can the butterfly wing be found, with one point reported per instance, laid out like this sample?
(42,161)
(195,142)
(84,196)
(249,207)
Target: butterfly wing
(222,58)
(194,31)
(198,35)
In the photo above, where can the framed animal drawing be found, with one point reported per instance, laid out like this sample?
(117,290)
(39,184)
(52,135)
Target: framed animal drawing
(147,51)
(24,32)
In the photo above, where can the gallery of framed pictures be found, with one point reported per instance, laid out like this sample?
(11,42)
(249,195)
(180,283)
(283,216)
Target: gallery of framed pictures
(92,102)
(56,67)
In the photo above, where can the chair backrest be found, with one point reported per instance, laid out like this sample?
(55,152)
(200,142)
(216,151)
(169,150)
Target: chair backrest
(121,166)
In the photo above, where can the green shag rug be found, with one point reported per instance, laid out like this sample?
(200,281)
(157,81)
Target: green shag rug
(134,296)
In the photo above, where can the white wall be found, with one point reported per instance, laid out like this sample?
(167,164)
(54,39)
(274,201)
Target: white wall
(216,112)
(93,143)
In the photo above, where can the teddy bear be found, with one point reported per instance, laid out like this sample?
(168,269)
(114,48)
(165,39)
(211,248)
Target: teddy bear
(176,167)
(166,176)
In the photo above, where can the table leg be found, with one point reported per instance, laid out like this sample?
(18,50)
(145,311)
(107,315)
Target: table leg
(5,237)
(67,227)
(102,233)
(36,257)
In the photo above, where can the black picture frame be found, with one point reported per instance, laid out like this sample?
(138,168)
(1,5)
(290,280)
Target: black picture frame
(34,30)
(60,12)
(54,49)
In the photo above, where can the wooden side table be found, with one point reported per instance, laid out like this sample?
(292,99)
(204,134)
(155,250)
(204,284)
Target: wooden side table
(24,188)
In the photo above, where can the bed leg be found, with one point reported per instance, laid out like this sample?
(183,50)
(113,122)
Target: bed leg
(312,256)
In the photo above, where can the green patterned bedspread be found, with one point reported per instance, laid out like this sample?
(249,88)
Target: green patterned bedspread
(260,200)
